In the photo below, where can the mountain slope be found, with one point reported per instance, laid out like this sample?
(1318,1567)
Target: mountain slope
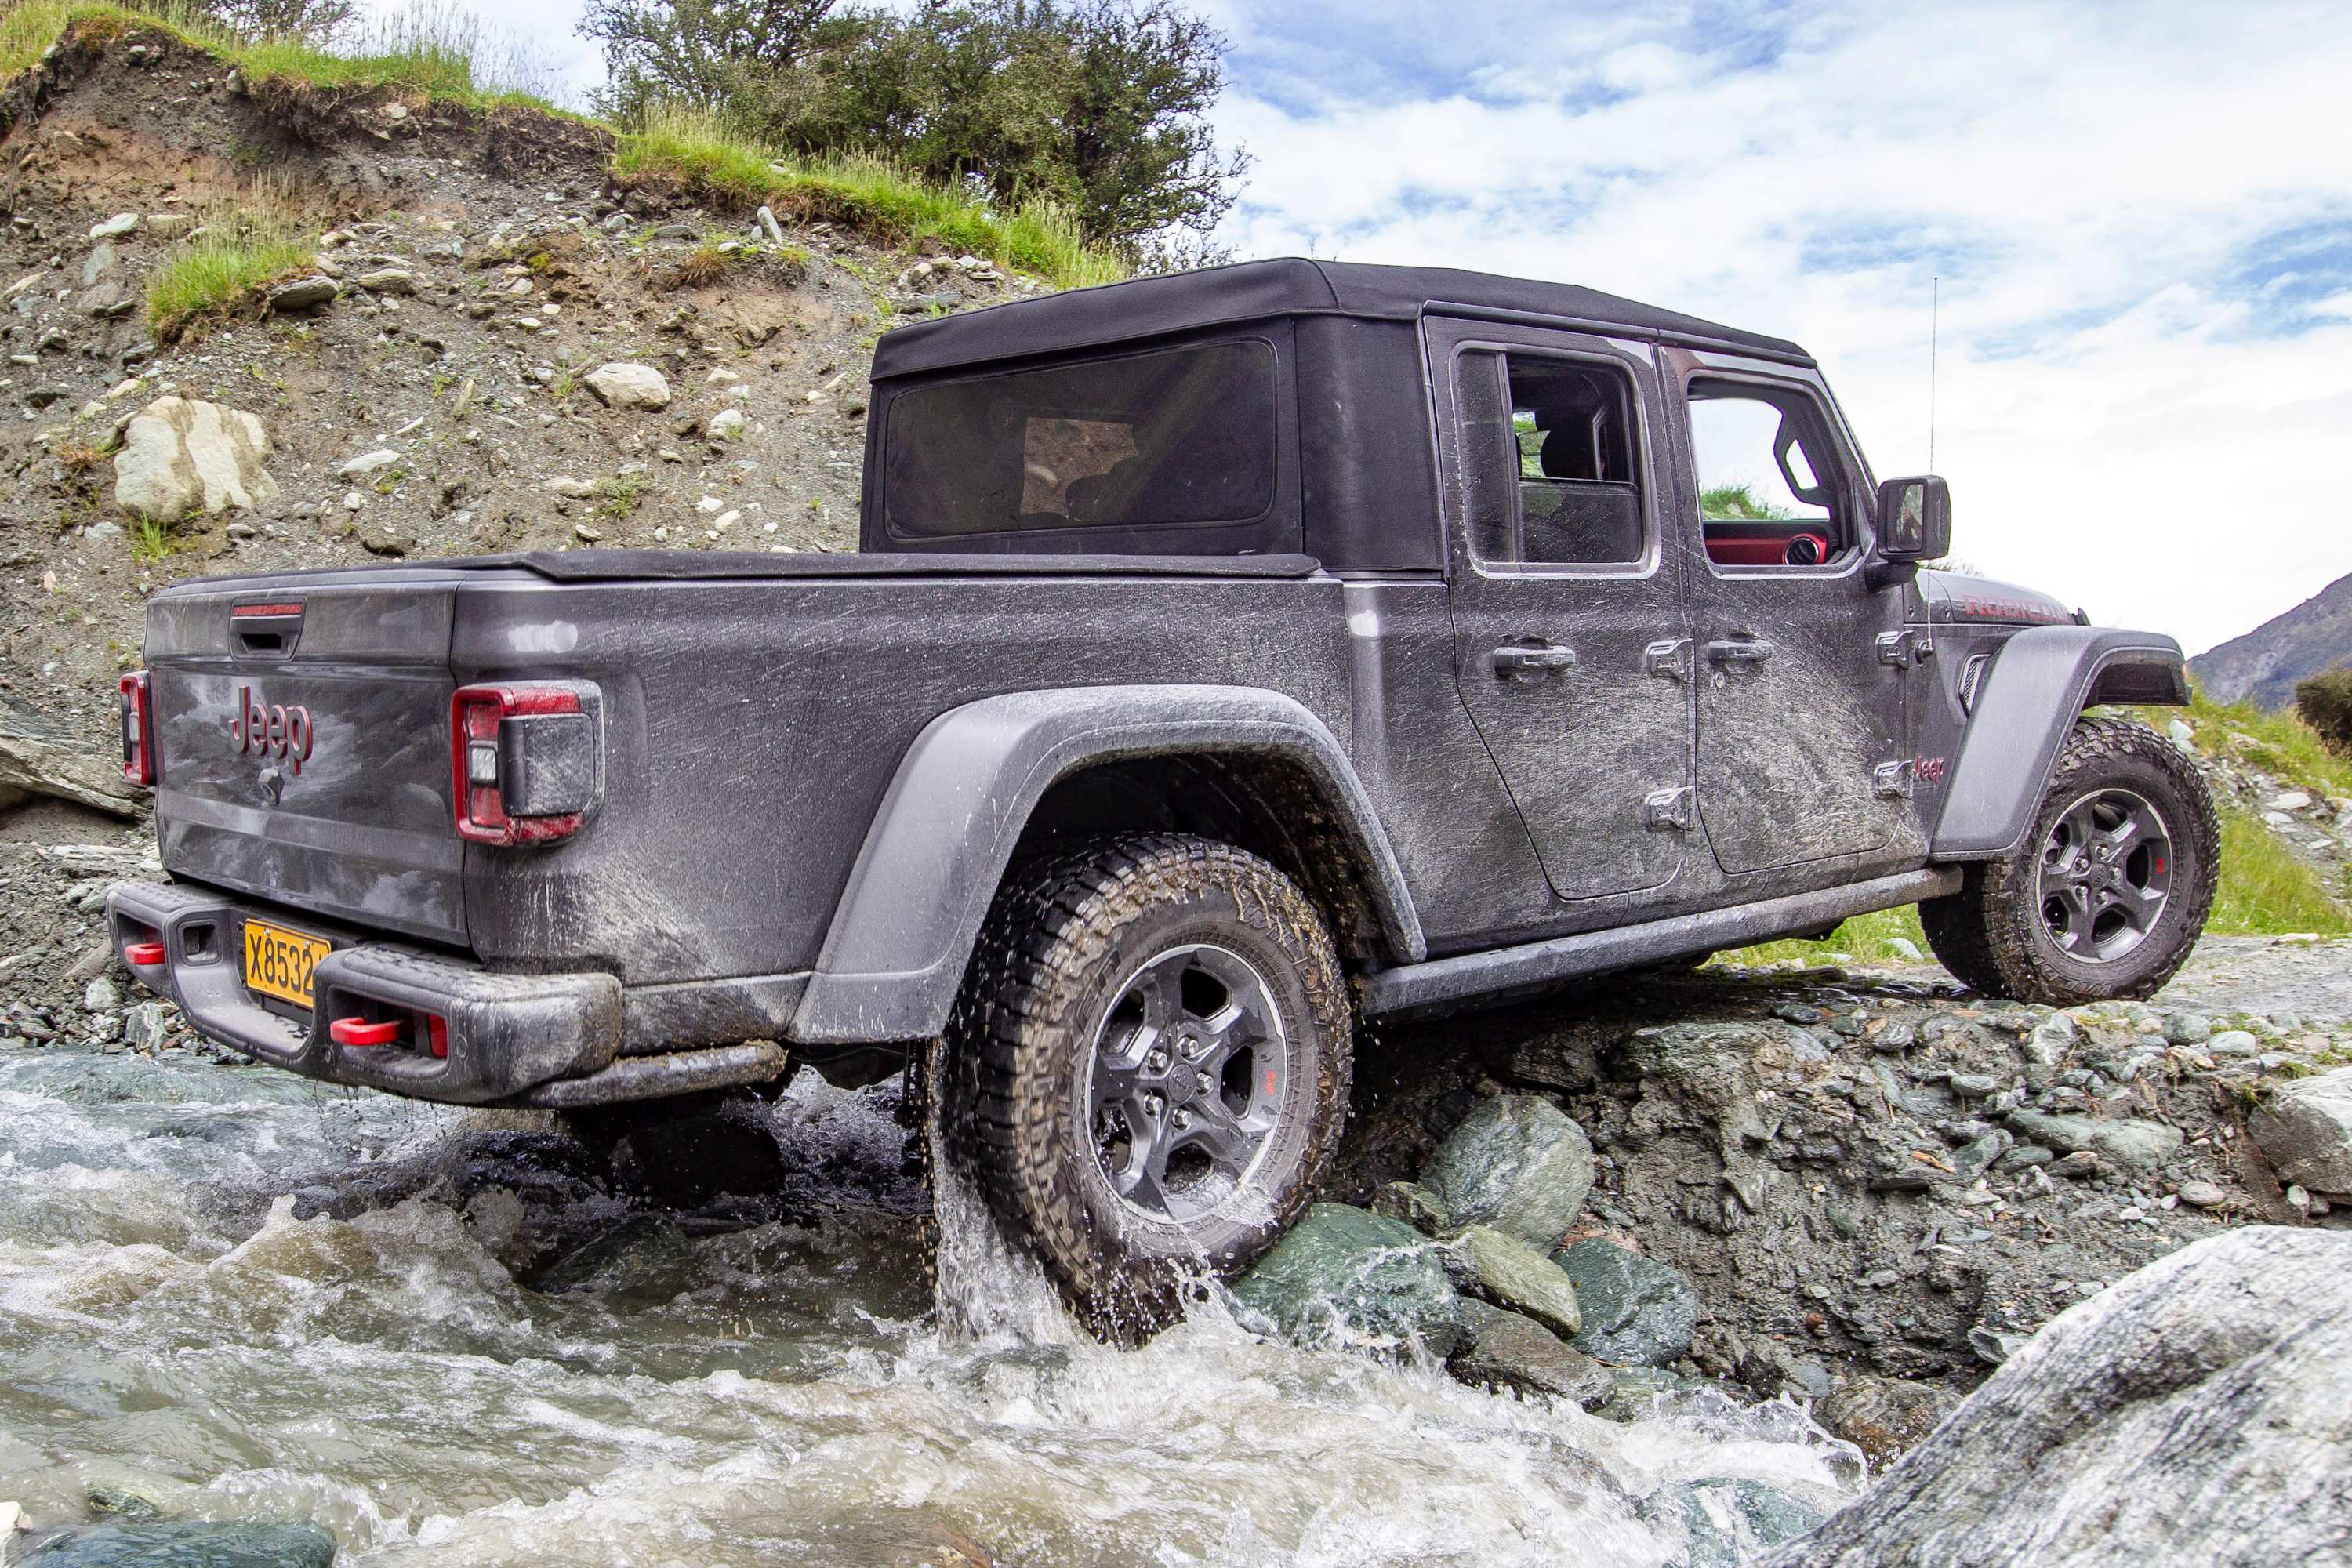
(2263,665)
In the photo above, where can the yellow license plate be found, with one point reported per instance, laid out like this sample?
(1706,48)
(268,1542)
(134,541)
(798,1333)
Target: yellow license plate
(278,961)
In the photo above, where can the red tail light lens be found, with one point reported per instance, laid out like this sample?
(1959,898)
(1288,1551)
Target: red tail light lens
(360,1032)
(145,953)
(524,761)
(138,729)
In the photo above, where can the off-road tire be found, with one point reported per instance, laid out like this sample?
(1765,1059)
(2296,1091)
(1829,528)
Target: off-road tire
(1992,933)
(1061,943)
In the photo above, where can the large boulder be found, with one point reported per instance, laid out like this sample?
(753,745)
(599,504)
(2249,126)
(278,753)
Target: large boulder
(1343,1274)
(2197,1411)
(1516,1163)
(1505,1350)
(1637,1312)
(624,385)
(180,455)
(2305,1131)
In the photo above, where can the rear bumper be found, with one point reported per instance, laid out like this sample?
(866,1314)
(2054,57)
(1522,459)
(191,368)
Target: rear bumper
(515,1039)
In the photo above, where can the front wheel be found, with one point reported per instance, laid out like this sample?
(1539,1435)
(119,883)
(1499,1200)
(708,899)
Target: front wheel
(1149,1066)
(2110,888)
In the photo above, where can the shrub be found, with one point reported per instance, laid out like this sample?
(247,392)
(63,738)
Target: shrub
(2325,703)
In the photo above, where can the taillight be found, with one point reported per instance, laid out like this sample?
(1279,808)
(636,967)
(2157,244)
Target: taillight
(138,729)
(524,761)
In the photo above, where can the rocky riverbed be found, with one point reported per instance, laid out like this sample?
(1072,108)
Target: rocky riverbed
(1659,1272)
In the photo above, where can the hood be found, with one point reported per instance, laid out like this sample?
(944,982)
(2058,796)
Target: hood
(1956,599)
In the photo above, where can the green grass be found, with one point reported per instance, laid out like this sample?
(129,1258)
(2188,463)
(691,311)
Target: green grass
(233,254)
(695,151)
(2278,743)
(431,49)
(1865,938)
(150,542)
(2264,889)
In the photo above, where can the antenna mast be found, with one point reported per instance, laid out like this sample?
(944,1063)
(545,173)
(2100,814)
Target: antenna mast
(1935,324)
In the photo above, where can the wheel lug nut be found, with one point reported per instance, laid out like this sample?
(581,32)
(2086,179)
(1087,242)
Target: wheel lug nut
(1160,1061)
(1153,1105)
(1184,1120)
(1201,1082)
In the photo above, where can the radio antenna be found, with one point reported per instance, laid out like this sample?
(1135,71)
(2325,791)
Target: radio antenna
(1935,324)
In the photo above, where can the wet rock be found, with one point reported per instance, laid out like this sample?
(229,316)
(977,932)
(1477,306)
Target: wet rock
(1343,1273)
(2142,1145)
(180,455)
(1415,1204)
(623,384)
(1726,1521)
(143,1028)
(1506,1350)
(1637,1312)
(303,294)
(184,1543)
(2197,1411)
(2305,1132)
(1885,1417)
(1509,1273)
(1516,1164)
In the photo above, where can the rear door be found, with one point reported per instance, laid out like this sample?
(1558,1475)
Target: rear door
(1801,754)
(1570,650)
(302,735)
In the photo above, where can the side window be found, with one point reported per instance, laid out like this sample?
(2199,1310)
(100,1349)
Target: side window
(1769,494)
(1552,461)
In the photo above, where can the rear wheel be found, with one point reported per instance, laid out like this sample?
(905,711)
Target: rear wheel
(1147,1068)
(2109,890)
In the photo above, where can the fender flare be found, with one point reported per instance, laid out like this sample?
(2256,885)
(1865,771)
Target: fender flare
(2040,681)
(895,955)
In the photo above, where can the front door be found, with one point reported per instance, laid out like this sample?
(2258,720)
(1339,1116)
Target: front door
(1570,650)
(1800,660)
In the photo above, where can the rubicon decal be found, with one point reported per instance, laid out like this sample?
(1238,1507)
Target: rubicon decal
(272,731)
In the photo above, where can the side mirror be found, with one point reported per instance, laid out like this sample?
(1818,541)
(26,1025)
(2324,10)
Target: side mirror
(1915,518)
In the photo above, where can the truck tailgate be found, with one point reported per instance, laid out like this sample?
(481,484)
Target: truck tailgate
(302,729)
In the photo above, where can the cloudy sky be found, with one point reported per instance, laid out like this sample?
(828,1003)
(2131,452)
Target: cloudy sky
(2140,214)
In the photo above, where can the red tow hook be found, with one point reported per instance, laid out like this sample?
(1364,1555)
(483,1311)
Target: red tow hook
(146,955)
(360,1032)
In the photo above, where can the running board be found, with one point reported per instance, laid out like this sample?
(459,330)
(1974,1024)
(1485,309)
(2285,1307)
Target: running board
(1475,975)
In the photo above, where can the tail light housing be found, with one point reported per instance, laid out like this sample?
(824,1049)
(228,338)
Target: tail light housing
(138,729)
(526,762)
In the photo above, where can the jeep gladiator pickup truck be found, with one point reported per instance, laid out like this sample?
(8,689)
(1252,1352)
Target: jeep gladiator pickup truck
(1229,656)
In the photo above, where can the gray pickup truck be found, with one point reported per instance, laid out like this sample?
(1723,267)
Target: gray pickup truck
(1229,656)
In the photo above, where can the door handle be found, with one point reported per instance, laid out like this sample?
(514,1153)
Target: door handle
(1738,650)
(1522,660)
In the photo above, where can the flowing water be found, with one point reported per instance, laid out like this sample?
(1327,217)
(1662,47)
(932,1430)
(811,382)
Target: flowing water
(243,1296)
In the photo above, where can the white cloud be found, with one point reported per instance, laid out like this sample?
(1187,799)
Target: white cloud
(2122,416)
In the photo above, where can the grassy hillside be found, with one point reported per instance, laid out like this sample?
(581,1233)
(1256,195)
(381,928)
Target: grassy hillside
(442,54)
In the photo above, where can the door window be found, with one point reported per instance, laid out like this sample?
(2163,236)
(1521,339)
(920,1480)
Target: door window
(1552,462)
(1769,493)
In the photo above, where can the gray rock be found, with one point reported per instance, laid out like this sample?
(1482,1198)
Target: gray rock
(1343,1274)
(1637,1312)
(2142,1145)
(42,397)
(775,235)
(2232,1043)
(182,1543)
(377,539)
(108,301)
(303,294)
(726,423)
(1885,1417)
(387,280)
(571,488)
(2204,1194)
(1509,1273)
(115,227)
(1726,1520)
(2196,1411)
(1415,1204)
(1516,1164)
(167,225)
(2187,1028)
(2305,1131)
(143,1028)
(180,455)
(99,995)
(1505,1350)
(98,263)
(624,385)
(367,463)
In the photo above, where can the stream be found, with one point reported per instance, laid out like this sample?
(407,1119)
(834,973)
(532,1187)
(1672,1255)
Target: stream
(240,1295)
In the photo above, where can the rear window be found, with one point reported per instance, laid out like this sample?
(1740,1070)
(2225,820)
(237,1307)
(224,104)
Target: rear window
(1177,436)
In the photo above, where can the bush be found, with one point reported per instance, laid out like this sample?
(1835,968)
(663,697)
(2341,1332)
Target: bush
(2325,703)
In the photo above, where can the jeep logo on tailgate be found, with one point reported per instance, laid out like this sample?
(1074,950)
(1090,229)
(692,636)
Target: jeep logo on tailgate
(272,731)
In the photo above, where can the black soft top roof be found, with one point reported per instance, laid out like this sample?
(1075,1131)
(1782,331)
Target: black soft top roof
(1290,286)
